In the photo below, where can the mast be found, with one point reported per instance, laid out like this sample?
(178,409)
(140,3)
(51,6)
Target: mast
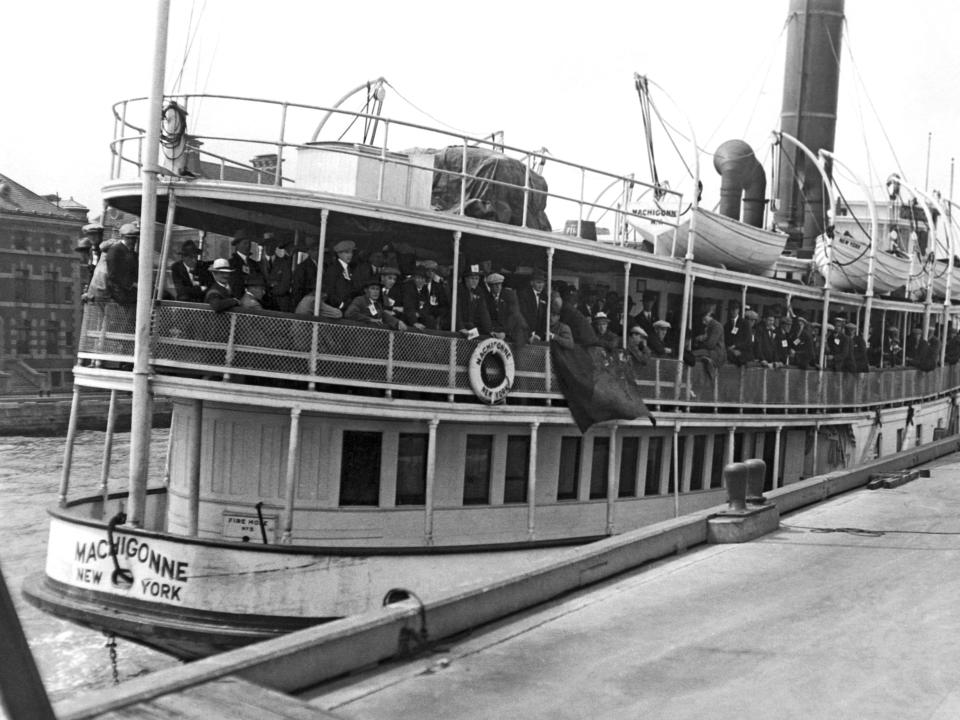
(810,90)
(141,412)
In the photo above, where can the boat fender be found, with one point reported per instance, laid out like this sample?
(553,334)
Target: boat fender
(491,370)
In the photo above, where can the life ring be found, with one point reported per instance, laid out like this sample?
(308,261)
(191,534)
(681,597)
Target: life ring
(491,370)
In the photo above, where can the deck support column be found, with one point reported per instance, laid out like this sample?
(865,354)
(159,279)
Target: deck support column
(317,289)
(548,374)
(107,452)
(816,448)
(775,478)
(612,479)
(431,480)
(68,450)
(676,469)
(532,479)
(193,469)
(293,452)
(731,444)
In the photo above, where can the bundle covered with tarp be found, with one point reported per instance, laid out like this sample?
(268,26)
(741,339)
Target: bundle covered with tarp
(597,386)
(494,187)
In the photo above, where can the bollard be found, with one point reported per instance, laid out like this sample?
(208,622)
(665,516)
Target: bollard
(756,475)
(735,480)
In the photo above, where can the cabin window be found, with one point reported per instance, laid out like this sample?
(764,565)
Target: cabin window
(899,439)
(629,452)
(569,475)
(737,447)
(360,468)
(412,469)
(476,470)
(719,460)
(919,434)
(598,468)
(517,471)
(769,448)
(879,448)
(654,466)
(696,471)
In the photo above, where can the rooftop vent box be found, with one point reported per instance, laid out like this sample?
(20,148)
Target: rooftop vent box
(356,170)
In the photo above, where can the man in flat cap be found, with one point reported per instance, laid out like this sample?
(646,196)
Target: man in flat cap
(122,266)
(415,300)
(339,284)
(367,308)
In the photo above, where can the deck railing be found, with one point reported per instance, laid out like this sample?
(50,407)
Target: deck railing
(192,339)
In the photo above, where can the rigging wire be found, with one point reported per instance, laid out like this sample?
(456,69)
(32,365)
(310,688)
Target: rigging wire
(424,112)
(191,37)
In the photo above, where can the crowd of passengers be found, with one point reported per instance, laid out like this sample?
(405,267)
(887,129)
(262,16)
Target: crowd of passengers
(509,306)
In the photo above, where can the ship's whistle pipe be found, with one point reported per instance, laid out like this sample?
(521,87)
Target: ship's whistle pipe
(741,176)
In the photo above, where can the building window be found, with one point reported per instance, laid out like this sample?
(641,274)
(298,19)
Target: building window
(20,241)
(23,337)
(53,337)
(51,285)
(412,469)
(568,479)
(598,468)
(629,452)
(476,470)
(651,482)
(68,344)
(360,468)
(517,470)
(21,285)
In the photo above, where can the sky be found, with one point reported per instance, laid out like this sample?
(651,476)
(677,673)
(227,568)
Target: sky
(558,76)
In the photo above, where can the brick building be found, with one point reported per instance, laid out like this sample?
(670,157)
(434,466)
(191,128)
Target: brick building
(40,285)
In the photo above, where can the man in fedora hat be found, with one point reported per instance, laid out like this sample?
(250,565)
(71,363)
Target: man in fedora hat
(191,278)
(367,308)
(122,266)
(277,269)
(391,294)
(532,299)
(415,302)
(304,279)
(473,319)
(219,295)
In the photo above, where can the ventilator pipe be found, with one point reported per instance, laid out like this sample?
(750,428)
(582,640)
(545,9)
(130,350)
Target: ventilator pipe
(741,175)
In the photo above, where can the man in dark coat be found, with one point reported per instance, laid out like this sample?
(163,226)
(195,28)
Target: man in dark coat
(304,279)
(339,284)
(122,266)
(276,267)
(532,300)
(767,343)
(191,278)
(219,295)
(579,325)
(505,318)
(240,262)
(801,344)
(473,319)
(415,300)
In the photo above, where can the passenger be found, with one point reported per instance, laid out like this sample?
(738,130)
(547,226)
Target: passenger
(601,326)
(660,330)
(740,351)
(220,295)
(506,322)
(240,262)
(892,348)
(438,294)
(367,308)
(253,294)
(613,307)
(276,267)
(368,269)
(731,328)
(646,319)
(122,266)
(97,290)
(952,352)
(767,344)
(391,294)
(858,348)
(327,312)
(473,319)
(914,341)
(708,346)
(802,344)
(579,325)
(637,351)
(532,299)
(929,358)
(191,278)
(415,303)
(560,332)
(88,245)
(338,280)
(785,328)
(304,280)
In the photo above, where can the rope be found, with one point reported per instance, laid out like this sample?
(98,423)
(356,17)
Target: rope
(867,533)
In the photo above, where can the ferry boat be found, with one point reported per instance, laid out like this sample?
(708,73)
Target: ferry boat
(319,468)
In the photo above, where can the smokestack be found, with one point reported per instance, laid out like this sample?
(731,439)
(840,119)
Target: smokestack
(810,88)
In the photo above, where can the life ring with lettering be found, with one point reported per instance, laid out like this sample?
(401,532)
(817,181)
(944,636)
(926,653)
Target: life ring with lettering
(491,370)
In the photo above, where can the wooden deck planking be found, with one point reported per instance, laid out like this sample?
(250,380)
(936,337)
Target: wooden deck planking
(228,697)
